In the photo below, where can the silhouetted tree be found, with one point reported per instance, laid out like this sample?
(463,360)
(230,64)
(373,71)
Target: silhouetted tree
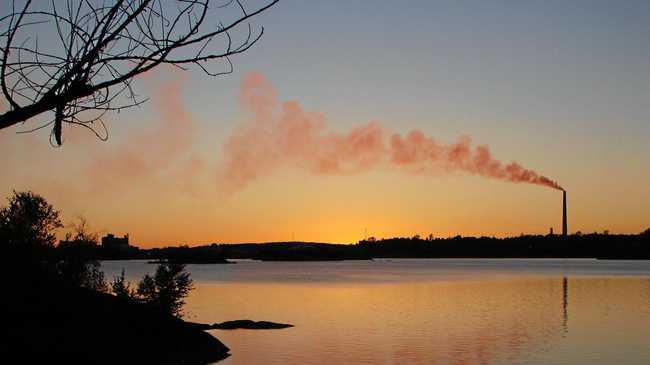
(102,45)
(146,291)
(167,289)
(81,233)
(121,288)
(28,222)
(76,265)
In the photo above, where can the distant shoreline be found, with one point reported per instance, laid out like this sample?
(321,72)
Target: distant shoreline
(596,246)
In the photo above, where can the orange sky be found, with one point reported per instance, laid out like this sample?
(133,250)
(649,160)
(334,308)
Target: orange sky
(162,183)
(362,127)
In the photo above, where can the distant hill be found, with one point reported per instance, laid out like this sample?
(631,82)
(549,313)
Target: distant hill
(593,245)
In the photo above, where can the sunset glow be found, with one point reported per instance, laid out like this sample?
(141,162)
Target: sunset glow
(343,149)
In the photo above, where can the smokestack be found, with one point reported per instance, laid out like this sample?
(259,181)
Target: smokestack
(564,225)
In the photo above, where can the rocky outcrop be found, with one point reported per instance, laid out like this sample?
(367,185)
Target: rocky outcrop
(56,325)
(246,324)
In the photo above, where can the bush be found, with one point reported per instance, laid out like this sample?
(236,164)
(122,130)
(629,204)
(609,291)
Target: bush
(166,290)
(121,288)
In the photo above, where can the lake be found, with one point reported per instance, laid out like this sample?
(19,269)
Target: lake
(425,311)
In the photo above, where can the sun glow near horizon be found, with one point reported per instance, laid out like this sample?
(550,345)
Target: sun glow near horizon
(572,108)
(166,193)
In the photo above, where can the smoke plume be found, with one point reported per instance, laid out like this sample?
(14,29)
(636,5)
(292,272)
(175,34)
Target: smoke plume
(283,134)
(151,151)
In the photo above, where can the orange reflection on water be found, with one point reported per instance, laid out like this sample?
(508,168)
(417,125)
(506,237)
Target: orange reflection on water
(440,322)
(426,311)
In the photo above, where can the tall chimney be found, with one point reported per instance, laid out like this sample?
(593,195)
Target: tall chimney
(564,225)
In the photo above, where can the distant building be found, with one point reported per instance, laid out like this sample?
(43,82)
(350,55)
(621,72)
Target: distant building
(112,242)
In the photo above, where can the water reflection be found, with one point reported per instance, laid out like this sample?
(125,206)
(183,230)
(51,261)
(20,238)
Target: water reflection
(372,313)
(565,304)
(475,322)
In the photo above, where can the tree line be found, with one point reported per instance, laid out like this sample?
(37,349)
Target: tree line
(28,225)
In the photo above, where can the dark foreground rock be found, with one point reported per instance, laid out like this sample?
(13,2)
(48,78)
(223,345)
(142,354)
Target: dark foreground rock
(246,324)
(77,326)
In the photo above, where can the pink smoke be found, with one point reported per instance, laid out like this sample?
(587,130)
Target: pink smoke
(418,152)
(282,134)
(147,152)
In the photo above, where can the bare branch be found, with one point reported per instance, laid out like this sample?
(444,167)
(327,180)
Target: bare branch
(97,47)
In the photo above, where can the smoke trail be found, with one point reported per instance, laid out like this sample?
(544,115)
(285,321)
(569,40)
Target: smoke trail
(149,151)
(283,134)
(421,153)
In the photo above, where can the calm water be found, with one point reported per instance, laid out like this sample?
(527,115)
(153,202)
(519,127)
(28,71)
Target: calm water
(422,311)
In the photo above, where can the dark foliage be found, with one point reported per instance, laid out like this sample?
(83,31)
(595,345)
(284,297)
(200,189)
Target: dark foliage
(28,222)
(578,245)
(165,291)
(189,255)
(594,245)
(121,288)
(56,311)
(76,265)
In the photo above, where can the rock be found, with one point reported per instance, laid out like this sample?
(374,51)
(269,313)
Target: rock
(250,325)
(246,324)
(78,326)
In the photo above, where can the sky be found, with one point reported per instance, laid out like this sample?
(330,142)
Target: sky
(560,87)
